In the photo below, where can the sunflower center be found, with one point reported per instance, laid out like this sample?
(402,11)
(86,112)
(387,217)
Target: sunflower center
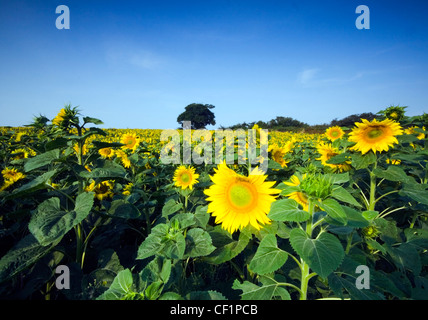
(103,188)
(375,133)
(334,133)
(242,196)
(185,177)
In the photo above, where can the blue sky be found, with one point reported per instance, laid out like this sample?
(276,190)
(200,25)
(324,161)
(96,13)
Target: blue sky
(137,64)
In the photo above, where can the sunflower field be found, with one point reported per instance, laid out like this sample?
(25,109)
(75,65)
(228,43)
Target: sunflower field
(341,214)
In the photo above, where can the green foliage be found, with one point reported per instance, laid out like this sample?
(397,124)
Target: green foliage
(200,115)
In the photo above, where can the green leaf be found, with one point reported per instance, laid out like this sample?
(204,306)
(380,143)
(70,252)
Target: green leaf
(323,254)
(174,247)
(104,144)
(339,178)
(405,257)
(50,223)
(341,194)
(274,165)
(109,170)
(415,192)
(205,295)
(153,243)
(251,291)
(370,214)
(184,220)
(123,209)
(360,161)
(121,286)
(338,159)
(268,257)
(41,160)
(159,269)
(417,238)
(36,184)
(394,173)
(230,249)
(92,120)
(334,210)
(199,243)
(24,254)
(170,207)
(287,210)
(202,216)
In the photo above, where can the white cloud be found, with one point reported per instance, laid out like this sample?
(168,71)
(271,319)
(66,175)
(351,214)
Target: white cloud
(307,75)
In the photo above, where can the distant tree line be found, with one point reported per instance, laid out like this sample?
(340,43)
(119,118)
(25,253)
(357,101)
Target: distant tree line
(200,115)
(290,124)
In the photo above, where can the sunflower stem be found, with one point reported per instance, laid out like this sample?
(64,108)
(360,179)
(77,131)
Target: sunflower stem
(372,199)
(304,267)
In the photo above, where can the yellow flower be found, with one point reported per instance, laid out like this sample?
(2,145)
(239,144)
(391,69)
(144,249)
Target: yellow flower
(106,152)
(12,175)
(278,154)
(185,177)
(236,200)
(393,161)
(327,152)
(103,190)
(375,135)
(411,130)
(128,189)
(299,196)
(124,158)
(59,117)
(130,141)
(84,149)
(334,133)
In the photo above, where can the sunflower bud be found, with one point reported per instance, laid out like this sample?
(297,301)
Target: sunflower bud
(317,186)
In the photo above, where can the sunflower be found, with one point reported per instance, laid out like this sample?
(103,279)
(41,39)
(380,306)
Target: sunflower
(130,141)
(299,196)
(411,130)
(237,200)
(106,152)
(127,190)
(334,133)
(278,154)
(12,175)
(59,117)
(124,158)
(102,190)
(375,135)
(185,177)
(327,152)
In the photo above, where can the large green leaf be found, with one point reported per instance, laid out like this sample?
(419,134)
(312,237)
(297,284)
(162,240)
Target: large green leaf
(121,286)
(230,249)
(50,223)
(341,194)
(170,207)
(153,243)
(268,257)
(174,246)
(123,209)
(394,173)
(362,161)
(198,243)
(38,183)
(415,192)
(334,210)
(268,290)
(41,160)
(24,254)
(323,254)
(287,210)
(110,169)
